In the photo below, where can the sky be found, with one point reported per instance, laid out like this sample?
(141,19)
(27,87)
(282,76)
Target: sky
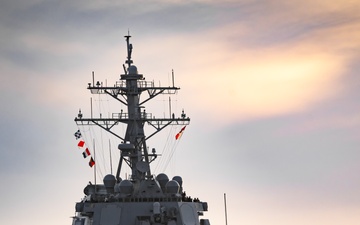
(271,88)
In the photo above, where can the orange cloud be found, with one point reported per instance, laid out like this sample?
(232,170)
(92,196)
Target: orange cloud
(231,81)
(242,83)
(274,81)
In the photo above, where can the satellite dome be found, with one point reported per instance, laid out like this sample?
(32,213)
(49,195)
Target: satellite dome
(126,187)
(178,179)
(109,181)
(162,178)
(172,187)
(132,70)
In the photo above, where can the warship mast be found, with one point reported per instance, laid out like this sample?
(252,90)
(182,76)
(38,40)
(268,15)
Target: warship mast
(128,91)
(143,199)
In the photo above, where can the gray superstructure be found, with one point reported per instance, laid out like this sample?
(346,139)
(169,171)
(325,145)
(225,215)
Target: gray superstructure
(143,198)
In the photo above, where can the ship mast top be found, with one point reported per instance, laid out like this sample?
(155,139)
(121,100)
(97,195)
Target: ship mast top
(133,143)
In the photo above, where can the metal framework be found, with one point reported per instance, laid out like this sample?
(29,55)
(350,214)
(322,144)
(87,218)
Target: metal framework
(127,91)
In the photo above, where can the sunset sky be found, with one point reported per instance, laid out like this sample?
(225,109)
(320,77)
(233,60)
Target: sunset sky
(271,87)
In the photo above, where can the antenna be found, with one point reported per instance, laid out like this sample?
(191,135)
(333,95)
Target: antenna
(94,164)
(172,75)
(91,107)
(225,209)
(110,158)
(124,69)
(170,106)
(129,49)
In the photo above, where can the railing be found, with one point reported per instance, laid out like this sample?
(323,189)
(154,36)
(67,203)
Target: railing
(123,115)
(140,84)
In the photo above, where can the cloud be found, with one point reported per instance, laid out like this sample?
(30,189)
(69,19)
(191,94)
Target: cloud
(260,82)
(274,78)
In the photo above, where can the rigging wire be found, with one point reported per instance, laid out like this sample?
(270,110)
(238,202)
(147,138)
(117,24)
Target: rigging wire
(171,154)
(170,145)
(104,153)
(85,133)
(99,166)
(109,116)
(107,151)
(99,156)
(164,151)
(169,150)
(102,148)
